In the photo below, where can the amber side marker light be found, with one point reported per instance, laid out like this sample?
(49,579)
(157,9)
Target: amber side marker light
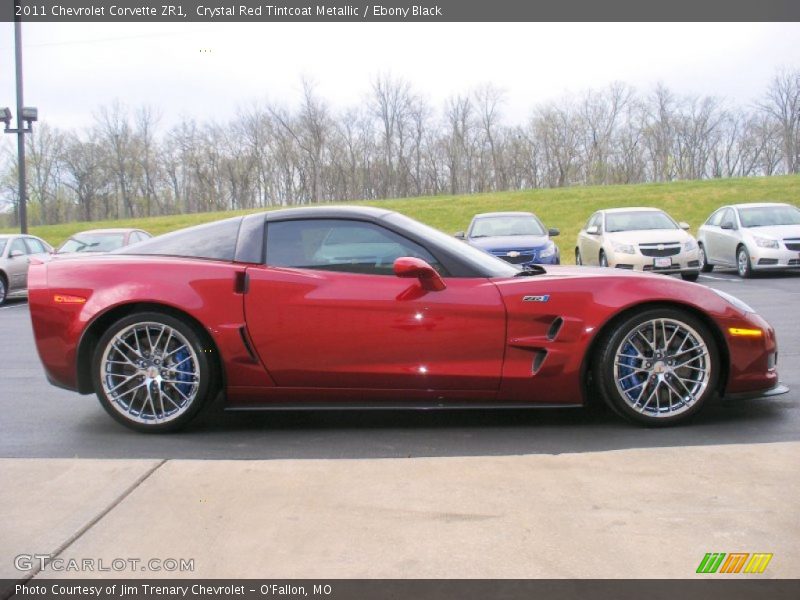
(67,299)
(740,332)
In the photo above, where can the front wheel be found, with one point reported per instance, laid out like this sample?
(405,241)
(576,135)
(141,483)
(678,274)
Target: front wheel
(603,259)
(704,266)
(658,366)
(578,259)
(690,276)
(743,265)
(3,289)
(153,372)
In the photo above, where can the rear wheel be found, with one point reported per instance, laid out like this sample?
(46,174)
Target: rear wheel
(578,259)
(658,367)
(603,259)
(743,264)
(152,372)
(3,288)
(704,266)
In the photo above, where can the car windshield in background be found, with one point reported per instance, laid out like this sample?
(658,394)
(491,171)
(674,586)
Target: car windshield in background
(769,216)
(638,220)
(100,242)
(507,225)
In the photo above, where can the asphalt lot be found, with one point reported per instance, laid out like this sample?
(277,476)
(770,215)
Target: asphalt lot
(41,421)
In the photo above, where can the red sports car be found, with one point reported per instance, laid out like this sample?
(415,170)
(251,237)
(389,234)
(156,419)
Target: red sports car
(340,307)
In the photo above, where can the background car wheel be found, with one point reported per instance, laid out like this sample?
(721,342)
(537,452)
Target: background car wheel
(3,288)
(603,259)
(743,264)
(658,366)
(691,276)
(153,372)
(704,266)
(578,259)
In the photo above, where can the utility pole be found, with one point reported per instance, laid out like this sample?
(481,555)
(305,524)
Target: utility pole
(25,115)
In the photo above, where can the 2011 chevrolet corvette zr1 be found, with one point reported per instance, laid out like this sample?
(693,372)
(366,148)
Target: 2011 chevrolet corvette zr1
(361,307)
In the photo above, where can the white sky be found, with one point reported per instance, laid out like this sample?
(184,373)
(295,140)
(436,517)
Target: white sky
(71,69)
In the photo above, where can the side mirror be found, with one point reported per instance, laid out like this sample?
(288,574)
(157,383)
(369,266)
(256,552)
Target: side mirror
(553,231)
(683,225)
(429,278)
(593,230)
(460,235)
(727,225)
(15,253)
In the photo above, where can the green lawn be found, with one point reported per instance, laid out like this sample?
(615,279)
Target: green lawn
(565,208)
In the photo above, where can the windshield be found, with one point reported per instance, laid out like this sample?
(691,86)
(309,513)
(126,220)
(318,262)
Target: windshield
(638,220)
(767,216)
(480,260)
(506,225)
(93,242)
(2,246)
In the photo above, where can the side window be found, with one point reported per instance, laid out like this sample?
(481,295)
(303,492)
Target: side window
(35,246)
(715,219)
(339,245)
(18,244)
(728,217)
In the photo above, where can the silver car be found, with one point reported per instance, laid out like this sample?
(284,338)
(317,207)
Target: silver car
(15,253)
(760,236)
(639,239)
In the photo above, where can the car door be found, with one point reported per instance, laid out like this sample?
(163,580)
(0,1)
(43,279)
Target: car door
(327,311)
(590,242)
(715,236)
(17,265)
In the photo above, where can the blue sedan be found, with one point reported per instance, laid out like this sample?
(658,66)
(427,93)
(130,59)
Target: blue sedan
(516,237)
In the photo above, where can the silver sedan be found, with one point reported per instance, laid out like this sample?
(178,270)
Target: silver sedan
(760,236)
(15,254)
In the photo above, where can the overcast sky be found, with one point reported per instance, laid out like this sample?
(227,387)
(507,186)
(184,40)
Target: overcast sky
(208,70)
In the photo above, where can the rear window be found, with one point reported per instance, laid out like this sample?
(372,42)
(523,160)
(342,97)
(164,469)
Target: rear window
(216,241)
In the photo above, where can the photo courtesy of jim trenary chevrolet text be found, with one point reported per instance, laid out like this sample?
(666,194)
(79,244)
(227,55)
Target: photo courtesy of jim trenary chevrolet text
(399,300)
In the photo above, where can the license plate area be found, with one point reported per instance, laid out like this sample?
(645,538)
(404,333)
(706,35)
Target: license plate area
(662,262)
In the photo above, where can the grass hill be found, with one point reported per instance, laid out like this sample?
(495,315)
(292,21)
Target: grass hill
(565,208)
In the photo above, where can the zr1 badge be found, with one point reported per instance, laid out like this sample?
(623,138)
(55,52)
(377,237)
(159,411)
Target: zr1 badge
(544,298)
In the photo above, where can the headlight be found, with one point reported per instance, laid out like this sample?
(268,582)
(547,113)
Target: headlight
(689,246)
(548,251)
(765,242)
(742,306)
(624,248)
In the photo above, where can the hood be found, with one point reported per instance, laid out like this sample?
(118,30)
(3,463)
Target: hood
(649,236)
(509,242)
(777,232)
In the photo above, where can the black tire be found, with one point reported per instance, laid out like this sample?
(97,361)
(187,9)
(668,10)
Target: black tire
(3,289)
(578,259)
(182,346)
(603,259)
(652,376)
(704,266)
(690,276)
(743,264)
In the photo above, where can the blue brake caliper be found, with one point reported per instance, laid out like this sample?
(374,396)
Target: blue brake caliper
(627,363)
(183,363)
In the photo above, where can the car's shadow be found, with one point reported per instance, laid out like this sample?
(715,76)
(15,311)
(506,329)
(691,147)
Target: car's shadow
(397,433)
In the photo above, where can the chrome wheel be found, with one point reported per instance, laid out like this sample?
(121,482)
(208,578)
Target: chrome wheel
(150,373)
(662,367)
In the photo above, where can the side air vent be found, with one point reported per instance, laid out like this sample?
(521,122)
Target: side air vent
(538,359)
(555,327)
(246,342)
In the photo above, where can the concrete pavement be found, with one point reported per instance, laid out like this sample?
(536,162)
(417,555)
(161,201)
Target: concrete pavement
(639,513)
